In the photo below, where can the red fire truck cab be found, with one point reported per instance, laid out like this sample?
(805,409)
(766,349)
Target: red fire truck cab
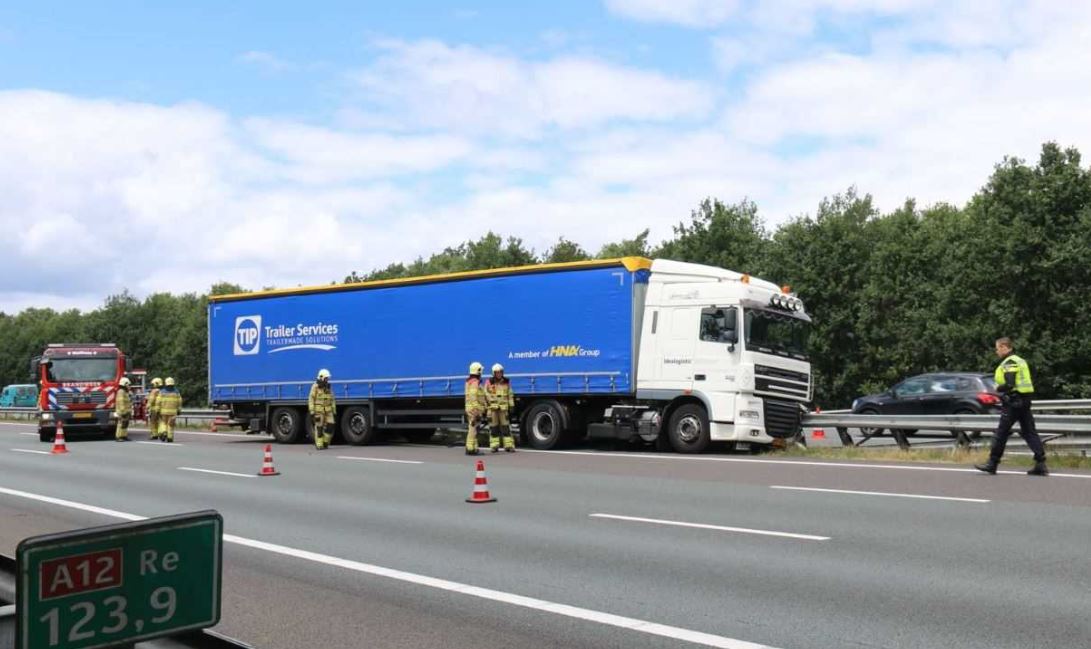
(77,384)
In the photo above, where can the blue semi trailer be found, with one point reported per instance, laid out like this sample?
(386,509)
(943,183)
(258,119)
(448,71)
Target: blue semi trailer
(629,349)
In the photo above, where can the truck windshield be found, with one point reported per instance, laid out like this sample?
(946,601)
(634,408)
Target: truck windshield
(776,333)
(82,369)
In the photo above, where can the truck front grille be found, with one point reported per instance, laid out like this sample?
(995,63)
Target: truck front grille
(96,397)
(782,418)
(782,383)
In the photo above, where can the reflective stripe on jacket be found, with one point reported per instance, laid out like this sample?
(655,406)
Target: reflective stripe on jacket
(170,403)
(499,395)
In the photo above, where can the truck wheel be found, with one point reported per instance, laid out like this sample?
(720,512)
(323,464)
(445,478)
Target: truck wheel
(544,428)
(286,425)
(688,431)
(356,426)
(45,435)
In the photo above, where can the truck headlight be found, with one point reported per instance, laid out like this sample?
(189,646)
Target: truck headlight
(47,416)
(749,414)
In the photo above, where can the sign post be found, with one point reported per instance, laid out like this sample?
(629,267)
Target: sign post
(119,584)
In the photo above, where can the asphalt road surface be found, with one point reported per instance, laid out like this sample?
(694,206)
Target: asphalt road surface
(375,546)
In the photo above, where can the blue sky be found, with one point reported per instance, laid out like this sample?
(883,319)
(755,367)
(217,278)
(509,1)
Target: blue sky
(272,143)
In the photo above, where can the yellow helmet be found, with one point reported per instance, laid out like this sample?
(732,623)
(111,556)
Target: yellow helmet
(476,368)
(169,382)
(157,382)
(497,368)
(124,382)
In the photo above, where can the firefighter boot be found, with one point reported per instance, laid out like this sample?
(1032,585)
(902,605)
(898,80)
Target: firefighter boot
(494,439)
(509,442)
(1039,468)
(989,467)
(327,439)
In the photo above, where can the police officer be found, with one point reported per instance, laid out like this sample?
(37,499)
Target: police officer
(476,406)
(501,401)
(123,409)
(170,404)
(321,407)
(152,407)
(1016,388)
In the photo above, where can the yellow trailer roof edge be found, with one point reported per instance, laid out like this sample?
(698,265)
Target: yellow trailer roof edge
(632,264)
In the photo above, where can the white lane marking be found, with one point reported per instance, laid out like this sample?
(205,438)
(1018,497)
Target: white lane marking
(839,465)
(545,606)
(721,528)
(237,475)
(881,493)
(27,450)
(164,444)
(72,504)
(30,434)
(377,459)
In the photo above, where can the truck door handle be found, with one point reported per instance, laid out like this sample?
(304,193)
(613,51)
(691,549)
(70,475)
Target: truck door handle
(698,377)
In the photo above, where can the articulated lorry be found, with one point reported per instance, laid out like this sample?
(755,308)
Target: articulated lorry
(631,349)
(78,384)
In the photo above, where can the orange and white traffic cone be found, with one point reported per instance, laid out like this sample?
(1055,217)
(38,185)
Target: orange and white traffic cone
(58,440)
(267,463)
(481,487)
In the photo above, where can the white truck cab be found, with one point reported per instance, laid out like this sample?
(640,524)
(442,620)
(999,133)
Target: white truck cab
(733,343)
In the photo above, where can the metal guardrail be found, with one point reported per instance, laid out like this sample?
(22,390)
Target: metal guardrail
(184,417)
(958,425)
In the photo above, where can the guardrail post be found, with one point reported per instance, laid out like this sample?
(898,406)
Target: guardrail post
(899,436)
(846,439)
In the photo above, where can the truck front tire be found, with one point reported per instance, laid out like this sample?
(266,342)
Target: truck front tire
(544,427)
(286,425)
(356,426)
(688,430)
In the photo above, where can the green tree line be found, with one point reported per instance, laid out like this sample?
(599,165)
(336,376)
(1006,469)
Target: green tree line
(912,290)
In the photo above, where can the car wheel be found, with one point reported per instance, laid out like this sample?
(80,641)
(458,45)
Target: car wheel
(973,434)
(688,430)
(869,431)
(286,425)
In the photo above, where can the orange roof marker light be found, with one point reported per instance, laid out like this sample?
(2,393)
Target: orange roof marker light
(786,289)
(745,279)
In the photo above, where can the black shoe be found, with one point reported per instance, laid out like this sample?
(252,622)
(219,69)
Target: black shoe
(989,467)
(495,450)
(1039,469)
(509,450)
(120,439)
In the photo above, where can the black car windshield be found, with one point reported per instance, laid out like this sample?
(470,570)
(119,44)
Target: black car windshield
(776,333)
(82,369)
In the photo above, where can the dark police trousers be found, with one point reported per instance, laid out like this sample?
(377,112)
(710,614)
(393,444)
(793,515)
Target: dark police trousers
(1017,410)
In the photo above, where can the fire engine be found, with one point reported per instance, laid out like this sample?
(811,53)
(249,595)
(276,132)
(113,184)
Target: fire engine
(78,384)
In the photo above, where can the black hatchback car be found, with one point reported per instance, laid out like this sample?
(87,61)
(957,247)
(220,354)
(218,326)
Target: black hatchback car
(942,393)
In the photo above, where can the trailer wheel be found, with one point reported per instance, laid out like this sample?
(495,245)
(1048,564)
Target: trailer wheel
(544,428)
(356,426)
(286,425)
(689,431)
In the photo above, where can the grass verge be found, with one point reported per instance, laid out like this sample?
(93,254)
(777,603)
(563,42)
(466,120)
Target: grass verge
(936,456)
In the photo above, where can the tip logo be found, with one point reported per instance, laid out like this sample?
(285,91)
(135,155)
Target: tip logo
(247,335)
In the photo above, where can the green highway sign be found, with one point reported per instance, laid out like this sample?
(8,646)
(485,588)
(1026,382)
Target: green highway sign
(118,584)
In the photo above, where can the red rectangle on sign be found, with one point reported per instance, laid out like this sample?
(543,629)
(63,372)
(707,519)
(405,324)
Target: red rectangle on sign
(80,573)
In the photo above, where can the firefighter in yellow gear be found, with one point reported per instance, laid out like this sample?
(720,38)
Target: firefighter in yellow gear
(170,404)
(321,406)
(501,401)
(476,406)
(123,409)
(152,407)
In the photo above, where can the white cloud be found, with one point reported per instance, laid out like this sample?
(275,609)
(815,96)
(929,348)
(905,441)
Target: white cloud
(267,61)
(429,84)
(691,13)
